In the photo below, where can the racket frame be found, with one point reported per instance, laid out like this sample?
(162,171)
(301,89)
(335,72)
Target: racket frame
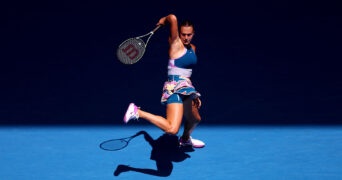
(132,48)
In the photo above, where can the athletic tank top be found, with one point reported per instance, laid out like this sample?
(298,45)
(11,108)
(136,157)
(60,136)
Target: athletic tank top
(183,65)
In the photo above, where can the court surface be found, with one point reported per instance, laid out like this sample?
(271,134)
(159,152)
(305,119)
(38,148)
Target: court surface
(231,152)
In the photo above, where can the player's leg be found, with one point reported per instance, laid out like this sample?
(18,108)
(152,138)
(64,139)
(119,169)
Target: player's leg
(172,122)
(192,118)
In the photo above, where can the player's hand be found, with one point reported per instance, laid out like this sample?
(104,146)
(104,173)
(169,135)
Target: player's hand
(197,102)
(161,21)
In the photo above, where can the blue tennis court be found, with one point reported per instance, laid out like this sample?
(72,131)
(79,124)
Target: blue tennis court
(231,152)
(269,74)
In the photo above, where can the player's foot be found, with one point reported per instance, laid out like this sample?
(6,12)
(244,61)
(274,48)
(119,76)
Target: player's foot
(131,113)
(191,142)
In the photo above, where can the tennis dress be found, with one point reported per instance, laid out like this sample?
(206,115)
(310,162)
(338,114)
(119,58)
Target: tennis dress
(178,85)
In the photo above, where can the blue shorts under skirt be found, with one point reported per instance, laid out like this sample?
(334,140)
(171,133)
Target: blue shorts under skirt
(177,88)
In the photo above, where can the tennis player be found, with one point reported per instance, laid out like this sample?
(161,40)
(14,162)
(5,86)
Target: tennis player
(179,95)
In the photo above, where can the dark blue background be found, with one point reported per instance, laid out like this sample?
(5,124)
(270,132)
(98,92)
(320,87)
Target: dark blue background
(259,61)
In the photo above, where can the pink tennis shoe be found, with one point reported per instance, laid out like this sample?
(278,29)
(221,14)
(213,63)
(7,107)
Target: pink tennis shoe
(131,113)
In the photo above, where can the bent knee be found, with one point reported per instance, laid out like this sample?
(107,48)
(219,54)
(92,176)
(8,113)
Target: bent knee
(172,130)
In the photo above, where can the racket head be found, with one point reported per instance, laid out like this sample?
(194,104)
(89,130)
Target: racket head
(114,144)
(131,50)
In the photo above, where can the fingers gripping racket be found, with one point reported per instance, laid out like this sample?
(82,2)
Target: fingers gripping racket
(116,144)
(131,50)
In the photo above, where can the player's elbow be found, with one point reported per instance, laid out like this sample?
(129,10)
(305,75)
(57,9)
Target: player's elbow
(172,18)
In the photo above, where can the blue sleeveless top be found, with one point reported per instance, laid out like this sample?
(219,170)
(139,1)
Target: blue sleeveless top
(183,66)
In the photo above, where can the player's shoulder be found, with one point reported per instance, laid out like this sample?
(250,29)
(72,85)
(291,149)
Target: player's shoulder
(193,47)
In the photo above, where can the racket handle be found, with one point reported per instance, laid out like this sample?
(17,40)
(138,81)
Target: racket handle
(155,29)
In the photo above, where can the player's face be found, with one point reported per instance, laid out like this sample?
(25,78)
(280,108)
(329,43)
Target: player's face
(186,34)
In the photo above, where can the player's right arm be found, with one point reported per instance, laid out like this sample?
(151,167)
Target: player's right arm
(176,45)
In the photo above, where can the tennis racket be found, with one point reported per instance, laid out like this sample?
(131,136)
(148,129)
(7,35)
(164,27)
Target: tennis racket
(116,144)
(131,50)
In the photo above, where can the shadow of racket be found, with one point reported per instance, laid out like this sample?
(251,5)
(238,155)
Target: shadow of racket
(117,144)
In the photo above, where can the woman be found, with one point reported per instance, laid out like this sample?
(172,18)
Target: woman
(179,95)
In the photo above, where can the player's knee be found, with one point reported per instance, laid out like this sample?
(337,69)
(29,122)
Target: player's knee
(172,130)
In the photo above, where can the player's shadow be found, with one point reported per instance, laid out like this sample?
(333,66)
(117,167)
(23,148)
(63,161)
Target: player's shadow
(165,151)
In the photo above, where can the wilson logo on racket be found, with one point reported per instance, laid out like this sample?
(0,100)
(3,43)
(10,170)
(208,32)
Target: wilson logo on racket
(131,51)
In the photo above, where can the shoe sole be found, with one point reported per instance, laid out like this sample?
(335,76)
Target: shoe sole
(195,144)
(198,146)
